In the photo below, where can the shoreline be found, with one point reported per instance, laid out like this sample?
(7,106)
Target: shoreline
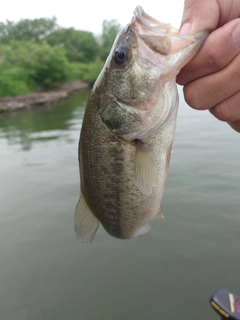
(31,100)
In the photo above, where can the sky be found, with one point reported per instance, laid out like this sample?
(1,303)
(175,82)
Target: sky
(89,14)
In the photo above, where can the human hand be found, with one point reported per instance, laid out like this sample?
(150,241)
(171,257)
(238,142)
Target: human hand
(212,78)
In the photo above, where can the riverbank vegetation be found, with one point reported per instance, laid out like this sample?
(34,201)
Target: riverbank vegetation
(38,54)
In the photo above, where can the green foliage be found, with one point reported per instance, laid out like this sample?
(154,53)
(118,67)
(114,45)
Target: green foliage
(89,72)
(26,30)
(39,55)
(13,81)
(85,71)
(80,46)
(45,65)
(110,29)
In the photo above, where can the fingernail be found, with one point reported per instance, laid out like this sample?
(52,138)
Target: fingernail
(186,28)
(236,35)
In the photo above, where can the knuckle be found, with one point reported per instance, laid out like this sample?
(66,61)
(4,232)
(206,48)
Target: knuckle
(226,111)
(213,60)
(236,71)
(191,96)
(235,125)
(218,113)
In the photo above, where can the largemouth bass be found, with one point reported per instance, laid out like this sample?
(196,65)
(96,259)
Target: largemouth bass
(128,128)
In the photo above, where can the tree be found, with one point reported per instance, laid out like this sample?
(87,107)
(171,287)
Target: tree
(80,46)
(26,29)
(110,29)
(46,66)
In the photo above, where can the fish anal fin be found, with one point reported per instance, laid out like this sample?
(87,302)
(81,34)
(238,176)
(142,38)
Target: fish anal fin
(143,230)
(85,223)
(145,168)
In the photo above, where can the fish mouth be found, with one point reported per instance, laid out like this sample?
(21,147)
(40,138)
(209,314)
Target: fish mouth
(144,23)
(156,35)
(160,37)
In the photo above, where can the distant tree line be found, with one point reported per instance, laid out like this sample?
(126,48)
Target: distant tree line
(39,54)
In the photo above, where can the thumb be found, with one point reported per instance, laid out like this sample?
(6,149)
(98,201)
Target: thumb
(199,16)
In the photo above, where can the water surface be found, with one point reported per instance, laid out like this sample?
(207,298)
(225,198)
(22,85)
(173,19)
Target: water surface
(169,274)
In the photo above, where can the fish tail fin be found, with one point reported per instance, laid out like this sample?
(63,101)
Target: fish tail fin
(85,223)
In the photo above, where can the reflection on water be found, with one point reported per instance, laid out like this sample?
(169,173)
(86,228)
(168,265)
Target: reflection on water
(43,123)
(168,274)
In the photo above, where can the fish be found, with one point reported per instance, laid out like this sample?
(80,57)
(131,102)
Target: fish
(128,129)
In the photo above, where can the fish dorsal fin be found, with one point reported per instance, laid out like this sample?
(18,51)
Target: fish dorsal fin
(85,223)
(145,168)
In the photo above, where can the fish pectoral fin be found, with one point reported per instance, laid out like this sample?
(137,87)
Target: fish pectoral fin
(145,168)
(85,223)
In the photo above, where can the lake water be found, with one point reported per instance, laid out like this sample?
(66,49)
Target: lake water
(169,274)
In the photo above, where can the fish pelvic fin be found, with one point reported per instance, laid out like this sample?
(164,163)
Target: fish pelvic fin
(85,223)
(145,168)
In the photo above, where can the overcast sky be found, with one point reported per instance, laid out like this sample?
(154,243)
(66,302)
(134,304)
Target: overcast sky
(89,14)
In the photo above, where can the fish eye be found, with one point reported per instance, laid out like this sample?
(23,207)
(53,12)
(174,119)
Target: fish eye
(121,55)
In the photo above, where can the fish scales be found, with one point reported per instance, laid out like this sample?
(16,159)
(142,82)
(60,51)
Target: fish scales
(128,129)
(127,205)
